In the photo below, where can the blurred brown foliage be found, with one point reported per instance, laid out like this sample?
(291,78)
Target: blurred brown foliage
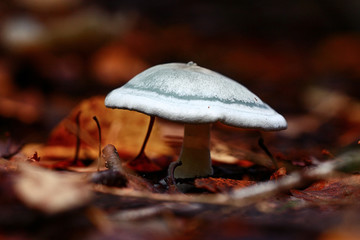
(60,57)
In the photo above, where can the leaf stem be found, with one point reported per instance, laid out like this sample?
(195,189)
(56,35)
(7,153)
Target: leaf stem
(99,131)
(151,124)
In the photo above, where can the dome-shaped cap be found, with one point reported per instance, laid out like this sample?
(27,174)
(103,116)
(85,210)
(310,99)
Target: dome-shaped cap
(192,94)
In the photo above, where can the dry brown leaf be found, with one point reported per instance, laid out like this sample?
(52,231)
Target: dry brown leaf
(278,174)
(124,129)
(217,185)
(334,190)
(49,191)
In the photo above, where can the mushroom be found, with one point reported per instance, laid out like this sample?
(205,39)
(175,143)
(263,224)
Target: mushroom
(197,97)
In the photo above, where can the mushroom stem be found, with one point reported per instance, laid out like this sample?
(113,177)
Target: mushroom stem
(195,153)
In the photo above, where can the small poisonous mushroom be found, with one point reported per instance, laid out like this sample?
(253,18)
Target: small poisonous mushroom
(197,97)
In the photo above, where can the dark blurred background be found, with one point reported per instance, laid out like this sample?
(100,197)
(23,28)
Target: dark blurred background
(302,57)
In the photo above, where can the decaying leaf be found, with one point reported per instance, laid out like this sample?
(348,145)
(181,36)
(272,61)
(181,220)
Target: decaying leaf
(278,174)
(50,192)
(335,190)
(143,164)
(217,185)
(228,151)
(124,129)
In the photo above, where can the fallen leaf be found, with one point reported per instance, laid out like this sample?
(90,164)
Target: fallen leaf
(334,190)
(143,164)
(50,192)
(111,178)
(226,148)
(124,129)
(217,185)
(278,174)
(66,164)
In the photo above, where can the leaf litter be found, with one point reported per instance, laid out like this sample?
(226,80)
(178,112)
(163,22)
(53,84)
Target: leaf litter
(113,198)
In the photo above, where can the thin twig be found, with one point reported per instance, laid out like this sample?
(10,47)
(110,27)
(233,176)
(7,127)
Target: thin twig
(153,210)
(347,162)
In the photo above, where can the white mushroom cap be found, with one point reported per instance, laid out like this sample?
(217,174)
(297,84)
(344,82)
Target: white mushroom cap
(192,94)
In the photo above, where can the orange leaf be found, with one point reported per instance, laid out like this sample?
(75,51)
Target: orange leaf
(331,190)
(124,129)
(278,174)
(143,164)
(221,184)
